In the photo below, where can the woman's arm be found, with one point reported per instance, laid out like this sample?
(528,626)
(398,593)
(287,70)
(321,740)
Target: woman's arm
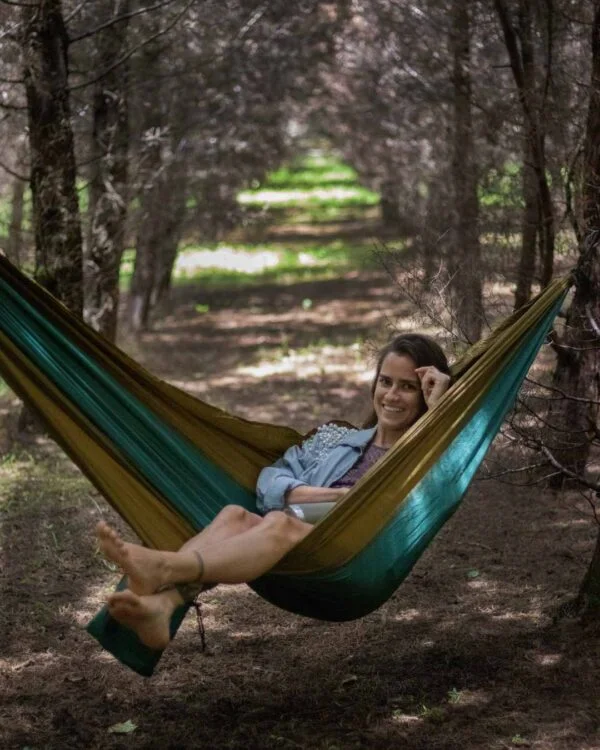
(308,494)
(433,384)
(285,481)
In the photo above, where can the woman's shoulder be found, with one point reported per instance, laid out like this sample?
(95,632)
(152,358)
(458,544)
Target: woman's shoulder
(328,435)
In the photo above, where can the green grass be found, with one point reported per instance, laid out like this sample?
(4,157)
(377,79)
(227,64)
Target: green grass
(316,214)
(226,264)
(350,195)
(502,188)
(320,187)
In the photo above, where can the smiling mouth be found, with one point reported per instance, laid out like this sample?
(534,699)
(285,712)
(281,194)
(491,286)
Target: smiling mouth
(393,409)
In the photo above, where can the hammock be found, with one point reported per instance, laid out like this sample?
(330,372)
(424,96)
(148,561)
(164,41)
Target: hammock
(168,462)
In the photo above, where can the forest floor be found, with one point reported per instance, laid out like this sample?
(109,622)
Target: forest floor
(465,655)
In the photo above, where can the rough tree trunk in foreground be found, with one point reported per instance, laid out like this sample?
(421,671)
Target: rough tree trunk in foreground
(170,232)
(14,242)
(578,368)
(531,209)
(147,244)
(465,261)
(55,214)
(533,104)
(108,184)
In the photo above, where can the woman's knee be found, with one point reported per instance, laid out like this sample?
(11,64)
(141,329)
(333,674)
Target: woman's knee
(285,530)
(235,515)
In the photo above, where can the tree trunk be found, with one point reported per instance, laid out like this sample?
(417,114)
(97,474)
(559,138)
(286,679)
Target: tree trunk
(533,105)
(547,233)
(390,208)
(147,244)
(15,229)
(529,230)
(465,261)
(108,184)
(578,368)
(531,208)
(170,236)
(55,214)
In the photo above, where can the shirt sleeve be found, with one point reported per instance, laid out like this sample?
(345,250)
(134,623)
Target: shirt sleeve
(284,475)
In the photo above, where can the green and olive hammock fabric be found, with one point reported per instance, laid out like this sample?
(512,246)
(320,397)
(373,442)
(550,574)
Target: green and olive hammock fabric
(167,462)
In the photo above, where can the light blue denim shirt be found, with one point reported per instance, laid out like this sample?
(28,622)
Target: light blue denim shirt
(318,462)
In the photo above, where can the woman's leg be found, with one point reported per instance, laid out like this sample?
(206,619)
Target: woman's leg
(235,559)
(232,521)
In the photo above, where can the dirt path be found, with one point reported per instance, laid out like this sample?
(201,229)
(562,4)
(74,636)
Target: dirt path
(465,655)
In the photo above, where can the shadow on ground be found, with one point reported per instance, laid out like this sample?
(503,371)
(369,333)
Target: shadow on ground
(464,656)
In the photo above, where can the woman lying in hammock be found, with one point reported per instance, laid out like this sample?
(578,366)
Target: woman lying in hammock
(412,373)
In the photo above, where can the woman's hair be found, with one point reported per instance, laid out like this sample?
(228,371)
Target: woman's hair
(424,352)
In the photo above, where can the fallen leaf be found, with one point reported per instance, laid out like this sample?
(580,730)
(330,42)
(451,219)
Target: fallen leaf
(125,727)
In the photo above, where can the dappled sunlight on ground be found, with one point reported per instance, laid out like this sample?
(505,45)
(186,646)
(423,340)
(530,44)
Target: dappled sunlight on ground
(464,655)
(226,258)
(277,197)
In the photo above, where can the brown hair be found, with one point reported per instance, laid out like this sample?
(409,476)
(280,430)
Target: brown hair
(424,352)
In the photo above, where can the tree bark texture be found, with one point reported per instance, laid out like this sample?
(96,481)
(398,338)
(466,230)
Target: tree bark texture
(465,260)
(147,243)
(390,206)
(14,243)
(531,210)
(533,104)
(170,231)
(578,366)
(108,184)
(55,213)
(529,231)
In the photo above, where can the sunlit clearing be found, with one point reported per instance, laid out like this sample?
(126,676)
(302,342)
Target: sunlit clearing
(326,360)
(17,663)
(285,196)
(226,258)
(402,718)
(516,617)
(304,259)
(408,615)
(548,660)
(482,584)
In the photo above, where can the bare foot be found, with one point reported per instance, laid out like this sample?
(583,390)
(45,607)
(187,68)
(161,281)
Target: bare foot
(147,616)
(146,569)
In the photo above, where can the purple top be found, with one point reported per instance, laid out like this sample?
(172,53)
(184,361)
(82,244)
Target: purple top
(372,454)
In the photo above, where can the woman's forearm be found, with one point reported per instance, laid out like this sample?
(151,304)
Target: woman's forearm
(306,494)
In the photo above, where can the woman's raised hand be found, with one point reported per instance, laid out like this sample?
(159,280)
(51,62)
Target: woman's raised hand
(433,384)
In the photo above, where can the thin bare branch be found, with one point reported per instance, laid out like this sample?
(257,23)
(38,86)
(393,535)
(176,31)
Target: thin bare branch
(76,10)
(517,470)
(133,50)
(570,178)
(562,393)
(119,19)
(17,4)
(12,173)
(549,51)
(567,472)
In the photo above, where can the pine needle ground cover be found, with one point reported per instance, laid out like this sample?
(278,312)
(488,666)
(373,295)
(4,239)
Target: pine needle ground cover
(465,655)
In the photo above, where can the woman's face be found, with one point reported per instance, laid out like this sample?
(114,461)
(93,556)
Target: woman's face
(398,399)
